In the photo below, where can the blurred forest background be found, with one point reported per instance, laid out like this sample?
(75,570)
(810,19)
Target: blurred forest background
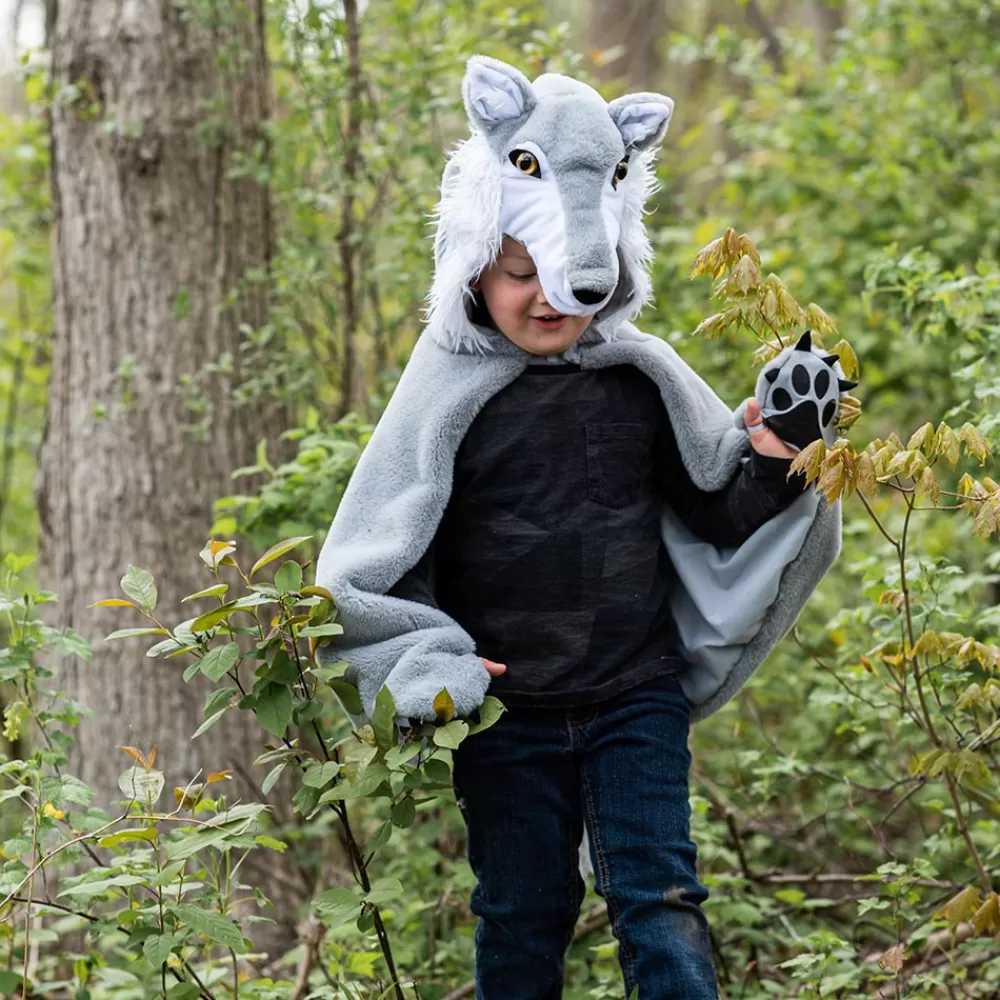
(214,249)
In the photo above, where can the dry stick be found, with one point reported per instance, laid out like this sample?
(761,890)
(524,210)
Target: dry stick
(313,937)
(960,821)
(11,418)
(345,237)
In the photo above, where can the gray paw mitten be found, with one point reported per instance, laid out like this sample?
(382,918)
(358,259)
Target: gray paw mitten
(799,394)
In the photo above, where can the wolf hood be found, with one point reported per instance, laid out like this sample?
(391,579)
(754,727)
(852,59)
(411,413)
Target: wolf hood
(553,165)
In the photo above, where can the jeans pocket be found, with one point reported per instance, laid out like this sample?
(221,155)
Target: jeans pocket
(618,460)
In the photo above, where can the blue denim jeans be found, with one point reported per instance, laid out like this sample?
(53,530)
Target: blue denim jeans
(527,786)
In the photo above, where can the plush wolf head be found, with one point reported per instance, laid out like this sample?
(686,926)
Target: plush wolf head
(557,168)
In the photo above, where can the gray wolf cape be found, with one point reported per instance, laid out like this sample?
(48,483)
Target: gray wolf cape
(732,605)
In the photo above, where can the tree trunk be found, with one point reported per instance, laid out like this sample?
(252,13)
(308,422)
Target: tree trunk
(151,236)
(634,30)
(827,20)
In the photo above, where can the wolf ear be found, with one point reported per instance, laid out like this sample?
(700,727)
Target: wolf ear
(642,119)
(495,93)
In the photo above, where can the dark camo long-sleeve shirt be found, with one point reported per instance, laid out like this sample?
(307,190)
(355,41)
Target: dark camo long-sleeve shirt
(549,553)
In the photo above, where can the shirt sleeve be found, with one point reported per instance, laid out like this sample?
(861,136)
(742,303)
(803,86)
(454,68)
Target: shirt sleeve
(729,516)
(416,584)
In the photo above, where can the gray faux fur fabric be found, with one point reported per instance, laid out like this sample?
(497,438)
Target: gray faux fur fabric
(579,212)
(732,607)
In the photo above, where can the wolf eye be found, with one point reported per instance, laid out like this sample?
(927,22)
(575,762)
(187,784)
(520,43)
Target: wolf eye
(621,172)
(526,162)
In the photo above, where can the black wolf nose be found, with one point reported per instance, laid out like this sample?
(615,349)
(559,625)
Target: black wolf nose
(588,296)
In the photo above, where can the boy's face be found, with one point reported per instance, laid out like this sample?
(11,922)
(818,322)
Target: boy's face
(514,297)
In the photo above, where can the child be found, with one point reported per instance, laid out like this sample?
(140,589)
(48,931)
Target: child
(555,507)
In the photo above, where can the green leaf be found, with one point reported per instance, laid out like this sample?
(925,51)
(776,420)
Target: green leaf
(125,836)
(131,633)
(451,735)
(277,551)
(212,618)
(331,672)
(168,646)
(404,812)
(138,584)
(157,947)
(219,660)
(269,842)
(320,775)
(349,696)
(384,719)
(330,628)
(337,906)
(142,785)
(437,771)
(489,712)
(211,925)
(274,708)
(385,890)
(9,981)
(380,837)
(281,670)
(217,699)
(288,577)
(792,896)
(375,775)
(209,722)
(183,991)
(216,591)
(101,886)
(271,780)
(398,756)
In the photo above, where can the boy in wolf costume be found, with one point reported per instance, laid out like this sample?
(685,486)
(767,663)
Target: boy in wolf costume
(556,505)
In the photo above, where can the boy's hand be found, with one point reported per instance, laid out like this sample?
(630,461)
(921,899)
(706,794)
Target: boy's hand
(762,439)
(495,669)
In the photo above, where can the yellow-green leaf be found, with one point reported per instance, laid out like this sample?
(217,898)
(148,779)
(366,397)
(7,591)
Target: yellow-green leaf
(986,920)
(961,907)
(818,320)
(114,602)
(922,438)
(444,707)
(131,633)
(276,551)
(217,591)
(810,460)
(975,443)
(147,833)
(746,274)
(948,445)
(848,359)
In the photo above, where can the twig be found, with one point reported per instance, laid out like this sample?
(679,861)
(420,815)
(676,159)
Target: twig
(311,939)
(55,906)
(58,850)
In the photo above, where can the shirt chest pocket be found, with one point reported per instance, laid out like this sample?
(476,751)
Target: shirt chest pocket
(618,461)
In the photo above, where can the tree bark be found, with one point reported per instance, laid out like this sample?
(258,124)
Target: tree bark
(635,28)
(826,20)
(151,235)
